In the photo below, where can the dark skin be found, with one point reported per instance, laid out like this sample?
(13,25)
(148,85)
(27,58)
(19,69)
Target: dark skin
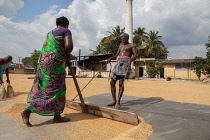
(6,72)
(125,49)
(68,45)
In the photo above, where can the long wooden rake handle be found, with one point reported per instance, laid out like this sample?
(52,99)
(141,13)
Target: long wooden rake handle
(77,87)
(89,81)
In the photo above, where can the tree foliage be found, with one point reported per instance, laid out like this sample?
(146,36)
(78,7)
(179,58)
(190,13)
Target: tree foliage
(149,45)
(99,50)
(155,70)
(26,61)
(139,37)
(34,58)
(208,56)
(199,65)
(208,49)
(110,43)
(154,47)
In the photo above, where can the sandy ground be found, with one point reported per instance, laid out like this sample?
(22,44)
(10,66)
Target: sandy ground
(190,92)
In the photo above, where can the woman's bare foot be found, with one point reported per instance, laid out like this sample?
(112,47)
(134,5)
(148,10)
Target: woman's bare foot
(25,117)
(111,104)
(59,119)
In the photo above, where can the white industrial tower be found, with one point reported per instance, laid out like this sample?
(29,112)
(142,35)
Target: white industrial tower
(129,19)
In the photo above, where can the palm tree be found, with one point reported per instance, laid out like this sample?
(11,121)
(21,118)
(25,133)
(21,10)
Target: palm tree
(139,38)
(154,47)
(116,31)
(99,49)
(110,43)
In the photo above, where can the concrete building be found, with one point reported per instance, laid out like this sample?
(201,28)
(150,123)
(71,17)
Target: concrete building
(89,66)
(174,68)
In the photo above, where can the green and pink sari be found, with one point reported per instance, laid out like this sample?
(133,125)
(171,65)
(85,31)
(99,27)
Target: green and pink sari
(47,95)
(2,67)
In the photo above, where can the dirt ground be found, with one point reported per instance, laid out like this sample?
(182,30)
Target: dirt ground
(181,91)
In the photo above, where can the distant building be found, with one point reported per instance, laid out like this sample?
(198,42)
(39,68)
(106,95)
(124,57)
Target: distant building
(178,68)
(174,68)
(21,69)
(88,66)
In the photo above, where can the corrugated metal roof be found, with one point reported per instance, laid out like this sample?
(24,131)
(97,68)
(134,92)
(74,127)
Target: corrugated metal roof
(175,61)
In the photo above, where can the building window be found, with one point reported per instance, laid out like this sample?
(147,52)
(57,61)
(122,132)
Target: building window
(182,66)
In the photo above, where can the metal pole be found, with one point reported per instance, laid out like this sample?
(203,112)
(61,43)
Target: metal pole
(19,61)
(79,54)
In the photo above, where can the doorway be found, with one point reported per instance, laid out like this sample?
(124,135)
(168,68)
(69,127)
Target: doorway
(162,73)
(141,71)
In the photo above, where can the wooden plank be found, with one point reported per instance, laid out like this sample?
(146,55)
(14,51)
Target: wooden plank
(114,114)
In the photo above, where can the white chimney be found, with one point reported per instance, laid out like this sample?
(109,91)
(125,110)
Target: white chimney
(129,20)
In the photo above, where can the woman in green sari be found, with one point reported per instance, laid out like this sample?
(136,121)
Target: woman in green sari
(47,95)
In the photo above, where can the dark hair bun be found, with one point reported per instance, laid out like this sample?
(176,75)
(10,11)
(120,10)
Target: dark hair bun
(61,21)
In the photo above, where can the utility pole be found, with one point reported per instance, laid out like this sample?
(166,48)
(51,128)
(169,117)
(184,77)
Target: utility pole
(19,61)
(79,54)
(79,59)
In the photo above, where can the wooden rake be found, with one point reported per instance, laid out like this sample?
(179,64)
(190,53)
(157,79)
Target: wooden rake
(110,113)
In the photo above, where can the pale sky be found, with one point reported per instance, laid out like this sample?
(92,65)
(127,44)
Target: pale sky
(183,24)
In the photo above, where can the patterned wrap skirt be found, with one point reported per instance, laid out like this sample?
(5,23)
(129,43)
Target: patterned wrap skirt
(47,95)
(121,70)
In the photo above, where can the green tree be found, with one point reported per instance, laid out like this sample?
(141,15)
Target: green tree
(208,49)
(99,49)
(116,31)
(149,45)
(34,58)
(110,43)
(154,47)
(139,38)
(208,56)
(155,70)
(199,66)
(26,61)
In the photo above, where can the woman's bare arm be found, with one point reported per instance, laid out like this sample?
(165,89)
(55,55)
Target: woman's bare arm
(68,44)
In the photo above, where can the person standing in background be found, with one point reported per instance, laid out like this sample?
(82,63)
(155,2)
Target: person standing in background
(125,55)
(4,66)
